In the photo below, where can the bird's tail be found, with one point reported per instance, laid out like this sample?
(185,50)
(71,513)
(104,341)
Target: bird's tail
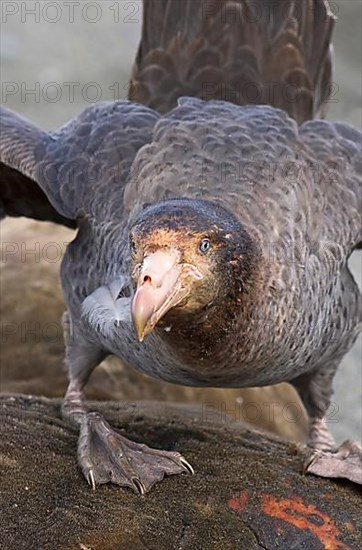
(275,52)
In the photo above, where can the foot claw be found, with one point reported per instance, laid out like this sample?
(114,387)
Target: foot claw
(140,488)
(187,465)
(311,460)
(91,480)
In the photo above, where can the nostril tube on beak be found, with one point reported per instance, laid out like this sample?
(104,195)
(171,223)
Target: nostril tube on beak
(156,283)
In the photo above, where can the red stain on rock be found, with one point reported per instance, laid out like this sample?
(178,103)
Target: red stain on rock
(305,516)
(238,502)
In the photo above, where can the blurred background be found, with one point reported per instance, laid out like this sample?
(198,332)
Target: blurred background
(58,58)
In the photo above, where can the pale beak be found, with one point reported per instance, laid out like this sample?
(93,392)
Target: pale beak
(159,288)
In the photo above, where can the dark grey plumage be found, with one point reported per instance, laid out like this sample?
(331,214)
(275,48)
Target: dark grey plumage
(296,193)
(242,51)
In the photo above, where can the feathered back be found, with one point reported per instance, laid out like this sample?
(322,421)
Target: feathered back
(242,51)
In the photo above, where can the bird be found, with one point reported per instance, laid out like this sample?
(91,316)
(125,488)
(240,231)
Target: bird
(215,210)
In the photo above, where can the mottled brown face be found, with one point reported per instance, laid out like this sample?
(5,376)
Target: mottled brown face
(186,256)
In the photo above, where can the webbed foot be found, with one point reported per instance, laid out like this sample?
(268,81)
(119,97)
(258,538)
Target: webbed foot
(345,462)
(104,456)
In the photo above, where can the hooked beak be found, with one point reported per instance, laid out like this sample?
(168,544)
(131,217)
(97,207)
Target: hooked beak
(160,287)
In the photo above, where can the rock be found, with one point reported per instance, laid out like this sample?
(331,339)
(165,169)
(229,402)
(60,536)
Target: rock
(32,350)
(247,492)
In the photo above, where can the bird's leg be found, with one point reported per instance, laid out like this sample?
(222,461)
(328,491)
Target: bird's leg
(81,360)
(104,454)
(326,460)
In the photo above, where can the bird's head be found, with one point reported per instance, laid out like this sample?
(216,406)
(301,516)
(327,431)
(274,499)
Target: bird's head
(189,256)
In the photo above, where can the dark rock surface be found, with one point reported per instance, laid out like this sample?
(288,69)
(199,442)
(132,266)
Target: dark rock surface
(247,492)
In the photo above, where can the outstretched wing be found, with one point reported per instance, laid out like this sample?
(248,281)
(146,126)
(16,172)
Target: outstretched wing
(56,176)
(22,147)
(243,51)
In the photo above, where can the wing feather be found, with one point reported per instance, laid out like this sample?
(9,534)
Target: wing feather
(276,53)
(61,176)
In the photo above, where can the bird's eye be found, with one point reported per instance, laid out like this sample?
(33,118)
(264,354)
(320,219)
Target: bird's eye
(133,246)
(204,246)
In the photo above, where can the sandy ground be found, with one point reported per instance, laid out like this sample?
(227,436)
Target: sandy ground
(55,62)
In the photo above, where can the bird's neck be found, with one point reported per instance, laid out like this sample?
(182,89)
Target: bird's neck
(209,333)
